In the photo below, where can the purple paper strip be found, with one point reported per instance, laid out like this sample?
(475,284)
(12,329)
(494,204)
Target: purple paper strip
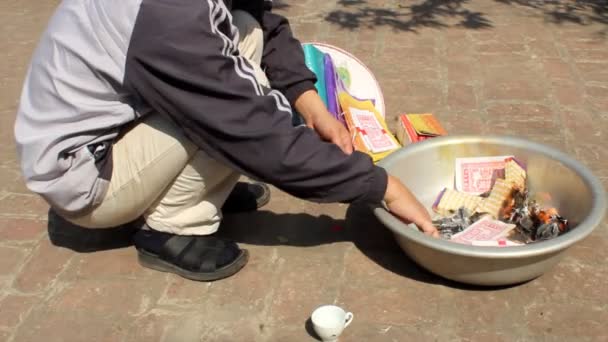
(436,203)
(332,90)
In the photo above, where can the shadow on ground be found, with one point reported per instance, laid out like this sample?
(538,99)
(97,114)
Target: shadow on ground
(407,15)
(567,11)
(265,228)
(360,227)
(410,16)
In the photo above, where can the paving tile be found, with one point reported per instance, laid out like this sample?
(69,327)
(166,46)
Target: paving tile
(461,71)
(11,259)
(11,179)
(44,266)
(463,121)
(296,294)
(245,331)
(557,68)
(192,326)
(544,48)
(397,283)
(14,309)
(21,230)
(112,264)
(596,72)
(4,335)
(568,93)
(461,96)
(23,205)
(132,296)
(361,331)
(72,326)
(152,326)
(181,291)
(555,319)
(290,333)
(589,55)
(249,292)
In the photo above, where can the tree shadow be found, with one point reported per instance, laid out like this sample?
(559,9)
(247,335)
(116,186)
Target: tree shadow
(582,12)
(561,11)
(359,227)
(429,13)
(413,15)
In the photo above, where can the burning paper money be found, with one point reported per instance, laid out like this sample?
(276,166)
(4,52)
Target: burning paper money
(499,195)
(515,173)
(486,229)
(494,207)
(448,226)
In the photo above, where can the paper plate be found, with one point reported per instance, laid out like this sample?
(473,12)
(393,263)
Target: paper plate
(363,84)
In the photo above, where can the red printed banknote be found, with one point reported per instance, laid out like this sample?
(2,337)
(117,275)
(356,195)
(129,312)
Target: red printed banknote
(475,175)
(486,229)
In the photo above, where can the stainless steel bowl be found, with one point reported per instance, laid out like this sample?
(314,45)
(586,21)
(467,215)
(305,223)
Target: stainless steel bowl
(428,167)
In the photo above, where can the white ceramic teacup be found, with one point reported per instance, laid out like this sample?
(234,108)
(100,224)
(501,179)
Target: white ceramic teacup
(329,321)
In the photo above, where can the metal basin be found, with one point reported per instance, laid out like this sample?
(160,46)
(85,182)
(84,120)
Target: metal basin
(427,167)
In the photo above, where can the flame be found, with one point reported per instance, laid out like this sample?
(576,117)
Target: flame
(545,215)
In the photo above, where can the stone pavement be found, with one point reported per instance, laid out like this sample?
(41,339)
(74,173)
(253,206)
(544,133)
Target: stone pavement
(537,69)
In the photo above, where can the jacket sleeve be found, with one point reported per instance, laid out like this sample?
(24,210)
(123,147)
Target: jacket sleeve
(283,58)
(183,62)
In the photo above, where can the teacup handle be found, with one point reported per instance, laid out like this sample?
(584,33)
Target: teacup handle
(348,318)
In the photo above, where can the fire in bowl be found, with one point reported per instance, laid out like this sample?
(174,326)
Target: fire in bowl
(428,167)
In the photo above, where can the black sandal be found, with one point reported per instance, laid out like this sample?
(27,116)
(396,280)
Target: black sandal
(200,258)
(246,197)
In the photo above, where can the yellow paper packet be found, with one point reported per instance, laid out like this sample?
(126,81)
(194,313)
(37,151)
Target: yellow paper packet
(367,127)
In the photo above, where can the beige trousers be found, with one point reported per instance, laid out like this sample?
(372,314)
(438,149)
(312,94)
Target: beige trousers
(162,175)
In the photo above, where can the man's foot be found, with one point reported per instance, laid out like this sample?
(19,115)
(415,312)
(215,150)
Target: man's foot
(247,197)
(201,258)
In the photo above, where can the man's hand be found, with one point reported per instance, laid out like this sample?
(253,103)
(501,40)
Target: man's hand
(330,129)
(310,105)
(402,203)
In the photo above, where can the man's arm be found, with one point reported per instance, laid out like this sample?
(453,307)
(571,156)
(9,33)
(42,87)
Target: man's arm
(283,58)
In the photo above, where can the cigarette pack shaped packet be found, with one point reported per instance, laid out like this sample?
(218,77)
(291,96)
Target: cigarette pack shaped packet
(413,128)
